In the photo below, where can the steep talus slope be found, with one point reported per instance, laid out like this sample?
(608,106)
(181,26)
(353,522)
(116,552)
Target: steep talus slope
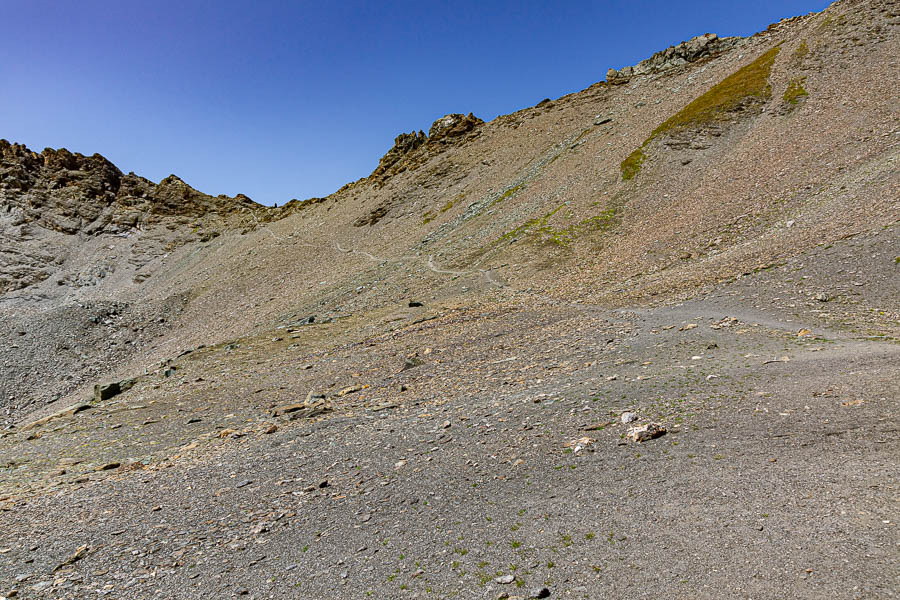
(78,240)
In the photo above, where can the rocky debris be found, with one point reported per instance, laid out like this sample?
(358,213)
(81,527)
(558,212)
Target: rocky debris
(505,579)
(628,417)
(702,46)
(582,443)
(643,433)
(726,322)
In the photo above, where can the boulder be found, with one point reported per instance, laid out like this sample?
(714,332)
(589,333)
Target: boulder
(109,390)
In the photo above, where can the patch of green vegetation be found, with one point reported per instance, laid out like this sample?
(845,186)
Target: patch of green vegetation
(531,223)
(750,82)
(795,91)
(451,203)
(631,166)
(801,51)
(508,193)
(830,21)
(562,236)
(427,218)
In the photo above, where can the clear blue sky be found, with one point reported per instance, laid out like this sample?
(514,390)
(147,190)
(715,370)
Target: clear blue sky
(281,100)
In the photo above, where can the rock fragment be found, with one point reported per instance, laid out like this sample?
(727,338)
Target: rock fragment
(642,433)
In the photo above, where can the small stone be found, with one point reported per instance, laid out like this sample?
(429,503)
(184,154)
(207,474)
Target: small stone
(540,593)
(272,428)
(646,432)
(445,425)
(78,555)
(244,483)
(286,409)
(505,579)
(822,297)
(109,466)
(628,417)
(688,327)
(412,362)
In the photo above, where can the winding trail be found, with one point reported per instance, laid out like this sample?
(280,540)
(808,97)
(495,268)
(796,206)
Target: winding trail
(429,262)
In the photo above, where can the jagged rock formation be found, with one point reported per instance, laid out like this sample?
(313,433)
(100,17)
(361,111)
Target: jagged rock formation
(60,192)
(707,45)
(448,129)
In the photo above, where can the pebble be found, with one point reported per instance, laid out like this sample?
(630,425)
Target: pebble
(505,579)
(244,483)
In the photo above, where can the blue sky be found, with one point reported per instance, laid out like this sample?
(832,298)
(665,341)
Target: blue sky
(281,100)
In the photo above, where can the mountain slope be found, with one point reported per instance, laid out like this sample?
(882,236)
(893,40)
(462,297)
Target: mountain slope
(420,379)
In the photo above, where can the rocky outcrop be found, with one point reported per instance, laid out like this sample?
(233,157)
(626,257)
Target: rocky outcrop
(450,127)
(403,145)
(69,192)
(412,149)
(55,195)
(702,46)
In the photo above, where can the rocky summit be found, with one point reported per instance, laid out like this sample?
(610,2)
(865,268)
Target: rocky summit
(637,341)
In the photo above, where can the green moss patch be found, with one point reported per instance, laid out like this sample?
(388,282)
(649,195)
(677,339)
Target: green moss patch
(509,193)
(539,227)
(795,91)
(631,166)
(748,83)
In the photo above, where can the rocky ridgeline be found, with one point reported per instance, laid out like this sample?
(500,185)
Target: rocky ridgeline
(53,196)
(449,129)
(703,46)
(69,192)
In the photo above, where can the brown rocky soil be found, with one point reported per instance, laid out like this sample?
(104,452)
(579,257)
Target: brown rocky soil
(419,386)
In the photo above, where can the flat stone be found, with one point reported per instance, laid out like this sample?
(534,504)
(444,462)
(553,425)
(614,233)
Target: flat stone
(66,412)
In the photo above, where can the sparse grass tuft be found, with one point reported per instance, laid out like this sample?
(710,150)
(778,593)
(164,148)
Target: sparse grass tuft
(631,166)
(795,91)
